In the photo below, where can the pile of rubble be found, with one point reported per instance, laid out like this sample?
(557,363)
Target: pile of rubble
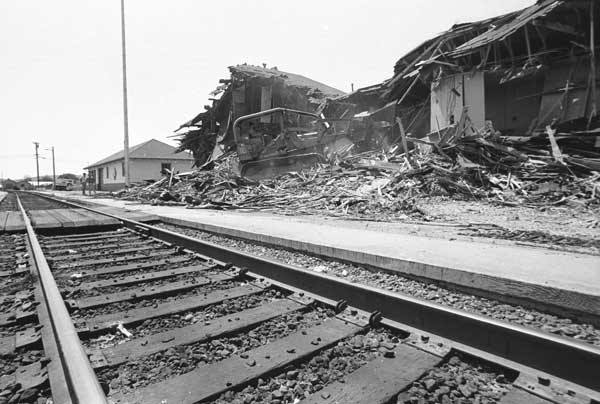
(387,186)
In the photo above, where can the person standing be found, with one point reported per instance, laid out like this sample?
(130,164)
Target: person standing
(83,183)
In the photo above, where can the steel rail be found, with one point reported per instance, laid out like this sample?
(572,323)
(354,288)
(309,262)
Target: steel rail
(564,358)
(81,379)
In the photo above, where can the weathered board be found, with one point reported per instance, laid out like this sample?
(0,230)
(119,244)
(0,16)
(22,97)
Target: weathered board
(108,321)
(104,261)
(87,255)
(14,222)
(195,333)
(87,218)
(139,278)
(41,219)
(127,214)
(380,380)
(100,247)
(3,217)
(143,292)
(76,244)
(221,376)
(126,268)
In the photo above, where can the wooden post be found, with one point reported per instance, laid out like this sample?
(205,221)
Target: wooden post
(404,143)
(594,110)
(171,177)
(527,42)
(556,153)
(408,89)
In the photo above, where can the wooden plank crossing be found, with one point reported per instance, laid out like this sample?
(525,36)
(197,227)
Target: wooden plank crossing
(68,218)
(128,214)
(96,218)
(14,222)
(235,371)
(3,217)
(41,219)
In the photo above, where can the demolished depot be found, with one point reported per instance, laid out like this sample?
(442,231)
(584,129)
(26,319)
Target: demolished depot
(519,72)
(503,109)
(250,89)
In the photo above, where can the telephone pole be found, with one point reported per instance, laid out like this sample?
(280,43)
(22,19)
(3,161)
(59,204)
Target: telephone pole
(37,163)
(53,171)
(125,117)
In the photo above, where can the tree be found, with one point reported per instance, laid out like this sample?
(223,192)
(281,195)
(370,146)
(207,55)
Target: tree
(69,176)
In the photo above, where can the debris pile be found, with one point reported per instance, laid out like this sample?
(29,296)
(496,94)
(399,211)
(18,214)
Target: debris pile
(386,186)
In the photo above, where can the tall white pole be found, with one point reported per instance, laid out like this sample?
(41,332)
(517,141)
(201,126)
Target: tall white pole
(53,170)
(125,115)
(37,163)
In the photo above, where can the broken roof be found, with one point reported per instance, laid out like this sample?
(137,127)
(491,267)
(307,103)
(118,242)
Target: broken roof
(150,149)
(508,27)
(290,79)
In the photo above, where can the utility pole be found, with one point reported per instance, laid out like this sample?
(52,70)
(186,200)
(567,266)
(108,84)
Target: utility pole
(53,171)
(125,117)
(37,163)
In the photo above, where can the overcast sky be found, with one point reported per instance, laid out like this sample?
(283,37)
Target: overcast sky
(60,61)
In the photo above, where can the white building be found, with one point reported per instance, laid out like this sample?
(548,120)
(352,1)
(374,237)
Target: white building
(146,163)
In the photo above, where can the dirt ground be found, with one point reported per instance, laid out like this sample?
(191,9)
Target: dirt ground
(564,228)
(558,226)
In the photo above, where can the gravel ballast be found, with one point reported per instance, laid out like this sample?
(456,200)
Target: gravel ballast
(205,315)
(183,359)
(311,376)
(458,380)
(153,302)
(515,314)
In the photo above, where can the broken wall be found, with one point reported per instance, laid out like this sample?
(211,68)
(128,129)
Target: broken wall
(566,94)
(451,93)
(513,106)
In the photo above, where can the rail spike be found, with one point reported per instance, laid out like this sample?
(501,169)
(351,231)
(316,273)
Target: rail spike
(375,318)
(341,306)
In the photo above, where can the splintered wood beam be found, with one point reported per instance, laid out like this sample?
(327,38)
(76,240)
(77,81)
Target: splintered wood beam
(508,46)
(485,55)
(527,41)
(404,143)
(594,111)
(542,36)
(556,26)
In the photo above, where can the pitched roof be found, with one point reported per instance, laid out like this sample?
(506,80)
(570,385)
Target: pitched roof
(290,79)
(150,149)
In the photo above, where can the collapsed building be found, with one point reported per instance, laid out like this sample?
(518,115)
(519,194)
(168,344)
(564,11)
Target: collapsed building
(519,72)
(516,73)
(248,90)
(503,109)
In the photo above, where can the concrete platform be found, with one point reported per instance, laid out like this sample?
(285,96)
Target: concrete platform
(566,281)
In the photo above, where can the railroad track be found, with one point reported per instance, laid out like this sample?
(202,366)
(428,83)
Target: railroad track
(139,314)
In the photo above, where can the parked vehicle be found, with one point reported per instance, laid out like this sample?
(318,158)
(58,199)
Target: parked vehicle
(64,184)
